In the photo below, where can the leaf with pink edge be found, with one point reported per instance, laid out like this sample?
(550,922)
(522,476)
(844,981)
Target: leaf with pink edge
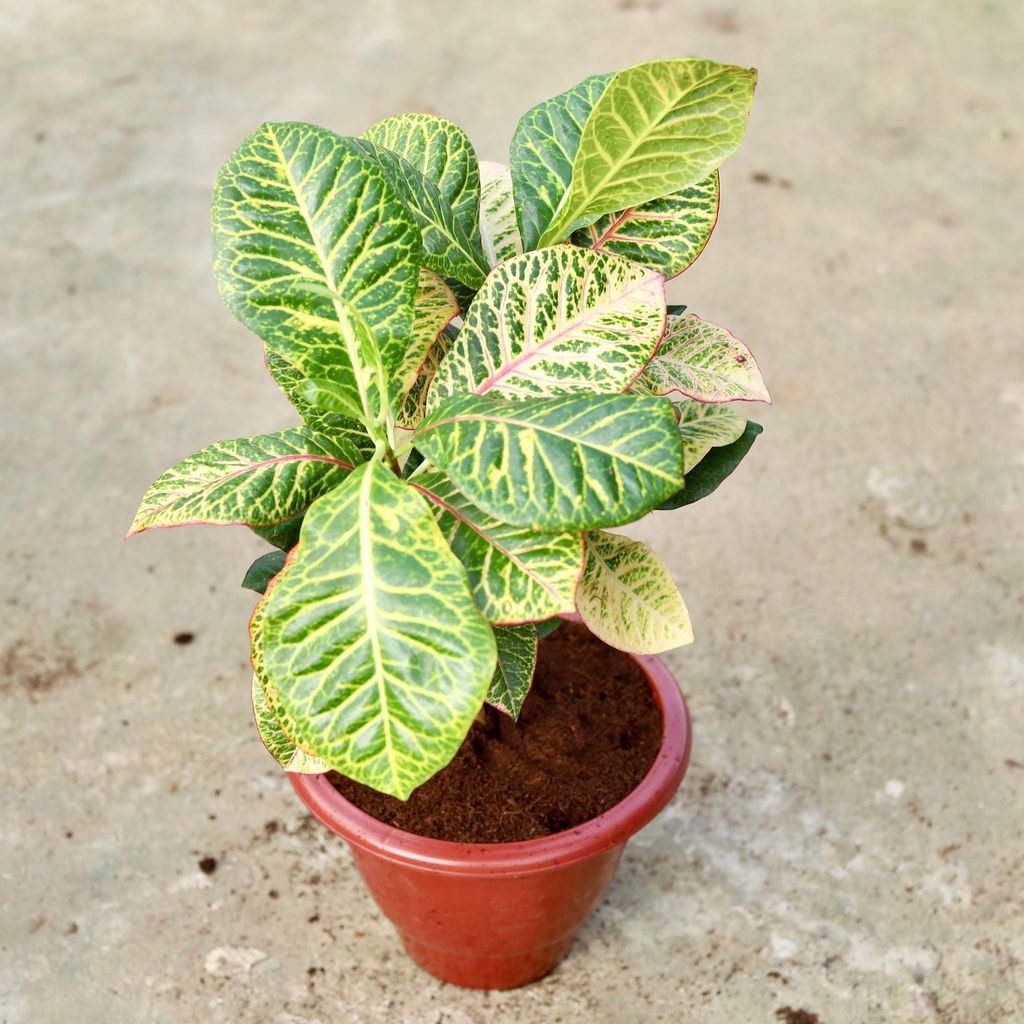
(698,360)
(665,234)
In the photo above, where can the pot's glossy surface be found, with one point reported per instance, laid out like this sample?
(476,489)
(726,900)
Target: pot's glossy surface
(501,915)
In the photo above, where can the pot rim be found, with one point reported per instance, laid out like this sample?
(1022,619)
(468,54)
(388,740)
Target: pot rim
(607,830)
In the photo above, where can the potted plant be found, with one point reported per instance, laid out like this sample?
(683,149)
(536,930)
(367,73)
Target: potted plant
(489,380)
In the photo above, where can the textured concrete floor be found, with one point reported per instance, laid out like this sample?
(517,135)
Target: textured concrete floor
(849,840)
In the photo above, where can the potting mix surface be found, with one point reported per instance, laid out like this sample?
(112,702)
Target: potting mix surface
(588,732)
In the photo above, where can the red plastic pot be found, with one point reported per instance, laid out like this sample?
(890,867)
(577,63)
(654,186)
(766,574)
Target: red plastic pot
(501,915)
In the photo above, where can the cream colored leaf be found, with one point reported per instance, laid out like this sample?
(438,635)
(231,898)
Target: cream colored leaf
(498,229)
(627,597)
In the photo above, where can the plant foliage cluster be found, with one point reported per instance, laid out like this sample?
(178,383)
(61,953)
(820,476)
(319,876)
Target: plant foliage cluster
(488,379)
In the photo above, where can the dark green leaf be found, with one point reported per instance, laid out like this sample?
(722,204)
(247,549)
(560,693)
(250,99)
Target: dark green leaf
(547,627)
(263,570)
(282,535)
(713,469)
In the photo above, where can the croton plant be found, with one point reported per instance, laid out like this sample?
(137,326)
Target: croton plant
(488,380)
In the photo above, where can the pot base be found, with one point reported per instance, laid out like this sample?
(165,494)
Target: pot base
(509,970)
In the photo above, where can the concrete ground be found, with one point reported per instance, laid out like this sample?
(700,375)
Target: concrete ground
(848,845)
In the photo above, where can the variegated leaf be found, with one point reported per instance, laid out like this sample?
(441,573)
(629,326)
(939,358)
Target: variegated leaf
(276,731)
(565,463)
(517,661)
(704,362)
(374,645)
(435,309)
(703,427)
(706,476)
(259,481)
(292,383)
(557,321)
(516,574)
(499,231)
(627,597)
(451,248)
(442,153)
(414,405)
(543,150)
(278,743)
(306,231)
(542,153)
(665,234)
(656,128)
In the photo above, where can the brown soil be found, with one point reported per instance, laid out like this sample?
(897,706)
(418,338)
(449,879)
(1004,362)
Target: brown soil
(588,732)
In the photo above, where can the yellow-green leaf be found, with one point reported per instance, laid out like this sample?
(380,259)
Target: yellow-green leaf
(276,731)
(278,743)
(441,151)
(344,429)
(451,246)
(627,597)
(656,128)
(414,405)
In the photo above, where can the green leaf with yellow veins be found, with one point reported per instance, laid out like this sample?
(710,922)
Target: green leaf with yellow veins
(441,151)
(543,151)
(434,310)
(451,247)
(345,429)
(278,743)
(627,597)
(556,321)
(276,732)
(656,128)
(698,360)
(516,574)
(566,463)
(499,231)
(258,481)
(517,661)
(665,234)
(373,643)
(306,230)
(703,427)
